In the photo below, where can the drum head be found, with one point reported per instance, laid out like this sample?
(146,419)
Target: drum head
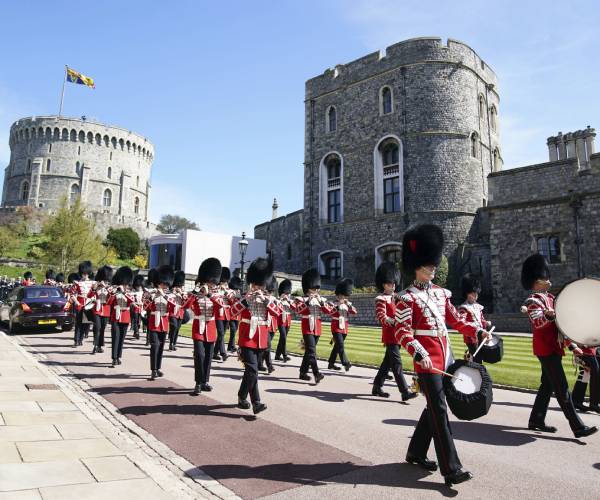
(493,341)
(468,380)
(577,310)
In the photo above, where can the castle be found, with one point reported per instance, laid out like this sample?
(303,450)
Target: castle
(409,136)
(108,168)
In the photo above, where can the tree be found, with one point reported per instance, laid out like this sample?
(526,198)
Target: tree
(8,241)
(171,224)
(125,241)
(71,237)
(441,273)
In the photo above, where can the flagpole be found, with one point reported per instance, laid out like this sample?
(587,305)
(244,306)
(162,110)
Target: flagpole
(62,95)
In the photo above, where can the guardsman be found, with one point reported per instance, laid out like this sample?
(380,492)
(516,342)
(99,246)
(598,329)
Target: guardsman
(83,304)
(589,372)
(387,280)
(548,346)
(137,307)
(254,310)
(50,278)
(179,297)
(235,285)
(341,310)
(203,303)
(422,312)
(158,305)
(266,358)
(100,293)
(222,315)
(284,321)
(120,301)
(309,308)
(472,311)
(28,279)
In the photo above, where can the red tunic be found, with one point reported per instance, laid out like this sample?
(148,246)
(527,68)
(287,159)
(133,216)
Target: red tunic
(80,290)
(223,312)
(203,308)
(546,338)
(385,311)
(274,318)
(119,303)
(473,313)
(254,322)
(179,298)
(421,319)
(309,310)
(158,307)
(339,317)
(285,311)
(100,293)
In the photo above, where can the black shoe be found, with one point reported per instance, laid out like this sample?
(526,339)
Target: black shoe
(231,350)
(94,350)
(270,369)
(224,356)
(170,347)
(286,359)
(75,345)
(277,358)
(585,431)
(334,367)
(80,343)
(304,376)
(541,427)
(408,395)
(580,407)
(159,373)
(388,377)
(458,477)
(153,375)
(206,387)
(378,391)
(262,368)
(427,464)
(319,377)
(174,347)
(216,357)
(243,404)
(136,337)
(114,363)
(119,361)
(196,391)
(348,366)
(100,349)
(258,407)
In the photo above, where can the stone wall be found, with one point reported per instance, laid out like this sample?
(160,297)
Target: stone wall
(284,241)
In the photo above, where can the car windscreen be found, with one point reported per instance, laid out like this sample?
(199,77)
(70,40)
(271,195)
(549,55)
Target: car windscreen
(42,293)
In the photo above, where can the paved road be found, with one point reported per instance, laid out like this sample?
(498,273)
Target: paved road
(333,440)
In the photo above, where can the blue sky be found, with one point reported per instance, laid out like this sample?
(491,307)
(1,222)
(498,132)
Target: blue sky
(218,86)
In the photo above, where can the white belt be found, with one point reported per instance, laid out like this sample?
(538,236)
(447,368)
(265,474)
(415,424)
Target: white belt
(342,322)
(202,322)
(157,316)
(312,321)
(431,333)
(254,323)
(284,316)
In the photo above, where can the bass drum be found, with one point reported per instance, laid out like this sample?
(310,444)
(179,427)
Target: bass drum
(493,350)
(578,313)
(469,395)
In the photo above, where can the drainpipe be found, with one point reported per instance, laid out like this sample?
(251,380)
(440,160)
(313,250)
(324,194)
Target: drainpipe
(576,205)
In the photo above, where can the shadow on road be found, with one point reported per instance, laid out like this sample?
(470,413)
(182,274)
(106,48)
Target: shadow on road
(332,397)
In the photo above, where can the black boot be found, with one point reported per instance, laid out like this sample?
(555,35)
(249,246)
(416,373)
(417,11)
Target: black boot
(114,363)
(94,350)
(347,366)
(243,404)
(541,427)
(457,477)
(196,391)
(408,395)
(153,375)
(305,376)
(427,464)
(585,431)
(159,373)
(334,367)
(258,407)
(378,391)
(206,387)
(100,349)
(319,377)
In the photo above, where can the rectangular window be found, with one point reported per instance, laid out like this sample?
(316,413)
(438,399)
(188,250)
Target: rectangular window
(333,269)
(549,247)
(391,195)
(333,206)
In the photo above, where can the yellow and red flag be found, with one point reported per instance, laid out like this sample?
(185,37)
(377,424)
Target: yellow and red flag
(76,77)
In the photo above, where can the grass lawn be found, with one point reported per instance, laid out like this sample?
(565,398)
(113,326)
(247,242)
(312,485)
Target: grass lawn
(518,368)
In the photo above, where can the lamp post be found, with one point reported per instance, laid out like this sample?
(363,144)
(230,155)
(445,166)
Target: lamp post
(243,246)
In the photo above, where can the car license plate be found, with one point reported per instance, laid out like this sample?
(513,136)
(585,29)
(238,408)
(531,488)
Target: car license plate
(47,322)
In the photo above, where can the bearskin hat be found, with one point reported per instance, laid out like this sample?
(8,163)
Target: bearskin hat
(260,271)
(422,246)
(50,275)
(225,274)
(311,279)
(73,277)
(85,267)
(165,275)
(344,287)
(271,284)
(60,278)
(285,287)
(105,273)
(387,272)
(235,283)
(470,284)
(210,271)
(179,279)
(535,268)
(27,275)
(138,280)
(123,276)
(152,275)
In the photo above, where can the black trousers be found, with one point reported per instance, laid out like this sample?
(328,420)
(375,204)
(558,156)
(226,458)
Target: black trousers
(81,328)
(174,326)
(157,345)
(233,327)
(281,345)
(203,353)
(309,360)
(338,349)
(117,334)
(434,424)
(100,323)
(222,324)
(266,353)
(249,383)
(472,348)
(554,381)
(580,387)
(135,323)
(391,361)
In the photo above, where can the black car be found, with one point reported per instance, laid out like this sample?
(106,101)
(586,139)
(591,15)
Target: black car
(36,306)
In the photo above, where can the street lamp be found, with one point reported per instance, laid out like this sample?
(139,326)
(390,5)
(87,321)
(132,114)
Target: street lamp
(243,246)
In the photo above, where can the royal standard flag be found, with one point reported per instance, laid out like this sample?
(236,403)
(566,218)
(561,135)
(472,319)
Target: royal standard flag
(76,77)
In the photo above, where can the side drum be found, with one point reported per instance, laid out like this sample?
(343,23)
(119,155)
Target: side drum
(469,395)
(493,350)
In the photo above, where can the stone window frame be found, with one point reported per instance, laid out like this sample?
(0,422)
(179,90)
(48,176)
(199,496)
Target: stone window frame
(24,190)
(104,198)
(378,174)
(481,107)
(328,128)
(322,259)
(324,188)
(493,118)
(136,205)
(548,236)
(109,172)
(475,146)
(382,111)
(396,245)
(496,159)
(48,164)
(71,192)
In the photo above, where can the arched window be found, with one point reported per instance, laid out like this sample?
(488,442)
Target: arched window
(73,137)
(90,137)
(122,144)
(496,160)
(136,205)
(493,116)
(74,193)
(65,134)
(331,264)
(56,134)
(25,191)
(390,251)
(331,119)
(106,141)
(475,145)
(389,196)
(109,173)
(48,165)
(481,106)
(385,101)
(331,180)
(113,141)
(81,136)
(98,138)
(107,198)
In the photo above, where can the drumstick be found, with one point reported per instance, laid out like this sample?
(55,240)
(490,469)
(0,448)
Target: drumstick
(483,343)
(445,373)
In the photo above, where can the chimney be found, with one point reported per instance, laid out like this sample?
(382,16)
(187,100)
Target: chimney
(275,207)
